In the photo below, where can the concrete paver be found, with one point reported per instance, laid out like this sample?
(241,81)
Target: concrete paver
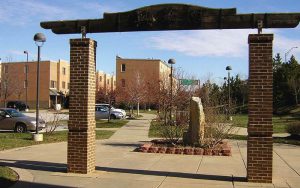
(117,165)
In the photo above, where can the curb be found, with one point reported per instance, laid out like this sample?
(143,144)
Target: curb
(24,176)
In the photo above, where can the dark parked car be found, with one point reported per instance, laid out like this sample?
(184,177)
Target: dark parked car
(11,119)
(18,105)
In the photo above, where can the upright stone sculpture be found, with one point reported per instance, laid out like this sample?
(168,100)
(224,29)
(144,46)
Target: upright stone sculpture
(197,122)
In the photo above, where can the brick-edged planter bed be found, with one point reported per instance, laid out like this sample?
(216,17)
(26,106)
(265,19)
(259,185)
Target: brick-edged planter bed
(158,146)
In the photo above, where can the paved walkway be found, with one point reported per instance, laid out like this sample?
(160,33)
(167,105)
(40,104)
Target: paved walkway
(243,131)
(117,166)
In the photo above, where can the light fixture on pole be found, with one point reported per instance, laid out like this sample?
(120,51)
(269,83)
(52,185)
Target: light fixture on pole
(39,39)
(228,68)
(26,77)
(171,62)
(287,53)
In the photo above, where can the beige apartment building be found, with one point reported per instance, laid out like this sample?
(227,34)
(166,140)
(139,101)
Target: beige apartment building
(54,82)
(152,72)
(105,82)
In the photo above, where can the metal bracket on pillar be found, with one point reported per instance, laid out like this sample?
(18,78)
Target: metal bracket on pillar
(260,25)
(83,32)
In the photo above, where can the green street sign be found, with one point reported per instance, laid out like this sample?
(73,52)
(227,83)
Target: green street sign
(188,82)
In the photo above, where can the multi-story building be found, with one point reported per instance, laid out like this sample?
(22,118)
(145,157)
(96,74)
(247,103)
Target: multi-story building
(105,82)
(19,82)
(129,72)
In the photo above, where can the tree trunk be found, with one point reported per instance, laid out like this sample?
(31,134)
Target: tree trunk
(138,108)
(296,95)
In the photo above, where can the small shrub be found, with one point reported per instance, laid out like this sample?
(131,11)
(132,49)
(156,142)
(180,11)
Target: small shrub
(293,128)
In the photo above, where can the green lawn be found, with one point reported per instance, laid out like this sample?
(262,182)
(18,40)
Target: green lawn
(294,140)
(9,140)
(142,111)
(279,122)
(7,177)
(148,112)
(112,124)
(155,132)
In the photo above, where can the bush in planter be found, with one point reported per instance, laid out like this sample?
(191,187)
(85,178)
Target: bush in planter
(293,128)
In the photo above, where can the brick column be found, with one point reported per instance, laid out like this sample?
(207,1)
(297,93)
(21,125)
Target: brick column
(81,136)
(260,129)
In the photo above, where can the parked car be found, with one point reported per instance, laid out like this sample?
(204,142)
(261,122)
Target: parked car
(11,119)
(102,112)
(112,108)
(19,105)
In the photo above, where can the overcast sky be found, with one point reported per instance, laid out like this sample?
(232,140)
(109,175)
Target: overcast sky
(204,54)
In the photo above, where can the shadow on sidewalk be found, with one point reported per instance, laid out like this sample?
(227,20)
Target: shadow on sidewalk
(34,165)
(174,174)
(25,184)
(59,167)
(121,144)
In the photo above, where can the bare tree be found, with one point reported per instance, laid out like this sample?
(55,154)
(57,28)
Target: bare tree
(53,121)
(135,91)
(10,85)
(178,102)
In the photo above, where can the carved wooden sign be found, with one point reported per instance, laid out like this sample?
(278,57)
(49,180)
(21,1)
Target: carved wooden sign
(174,17)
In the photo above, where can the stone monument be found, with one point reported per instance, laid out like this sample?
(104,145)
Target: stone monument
(197,123)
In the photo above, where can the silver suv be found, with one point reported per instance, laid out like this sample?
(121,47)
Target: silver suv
(102,112)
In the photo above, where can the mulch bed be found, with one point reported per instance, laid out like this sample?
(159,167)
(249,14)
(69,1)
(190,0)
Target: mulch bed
(160,146)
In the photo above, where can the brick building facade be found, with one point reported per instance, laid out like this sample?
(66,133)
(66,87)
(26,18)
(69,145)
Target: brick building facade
(151,72)
(105,82)
(54,82)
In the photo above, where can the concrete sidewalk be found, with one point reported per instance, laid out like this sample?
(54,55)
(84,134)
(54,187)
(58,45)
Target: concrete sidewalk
(118,166)
(243,131)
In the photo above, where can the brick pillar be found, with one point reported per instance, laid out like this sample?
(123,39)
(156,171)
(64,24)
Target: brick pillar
(260,129)
(81,136)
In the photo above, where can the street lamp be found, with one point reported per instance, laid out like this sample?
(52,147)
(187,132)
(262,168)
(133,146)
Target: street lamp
(171,62)
(228,68)
(287,53)
(26,79)
(39,39)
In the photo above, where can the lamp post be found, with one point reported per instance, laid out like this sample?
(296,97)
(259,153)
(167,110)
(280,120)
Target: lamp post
(26,79)
(287,53)
(228,68)
(39,39)
(171,62)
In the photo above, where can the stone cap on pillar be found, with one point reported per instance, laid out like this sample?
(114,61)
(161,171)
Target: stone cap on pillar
(82,41)
(260,38)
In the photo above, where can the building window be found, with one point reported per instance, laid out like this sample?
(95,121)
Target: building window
(107,81)
(5,69)
(25,84)
(123,82)
(53,84)
(68,85)
(26,68)
(64,70)
(63,85)
(100,78)
(123,67)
